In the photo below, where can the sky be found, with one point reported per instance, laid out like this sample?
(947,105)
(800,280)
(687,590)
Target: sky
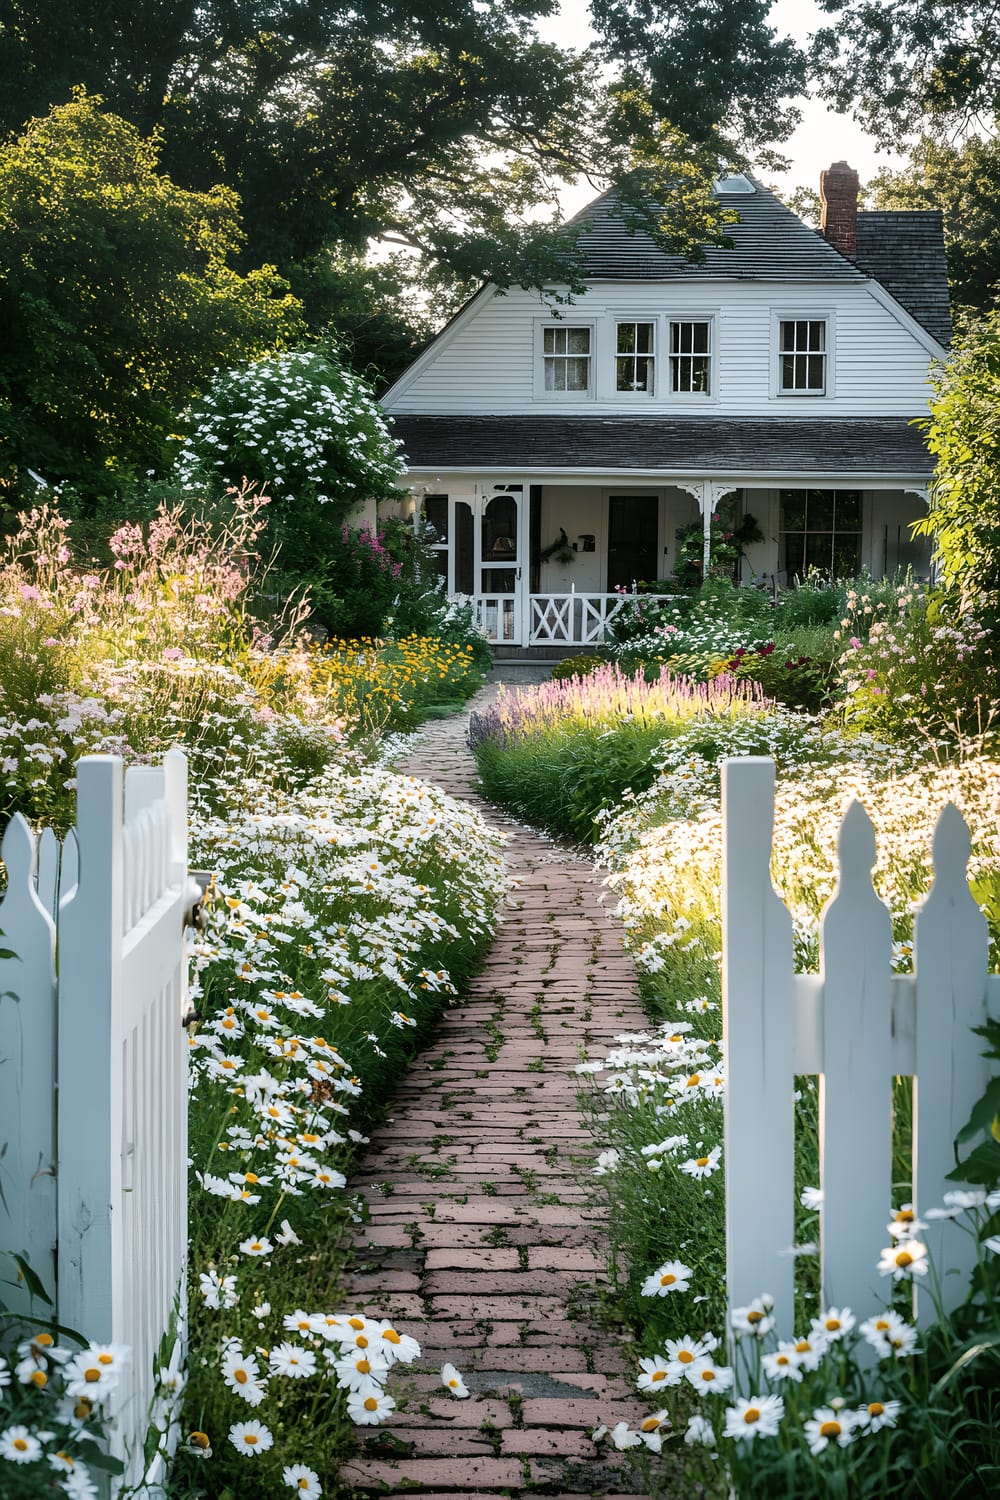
(822,138)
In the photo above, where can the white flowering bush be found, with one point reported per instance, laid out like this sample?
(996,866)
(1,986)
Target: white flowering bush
(300,425)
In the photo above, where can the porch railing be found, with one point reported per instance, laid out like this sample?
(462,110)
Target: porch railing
(554,619)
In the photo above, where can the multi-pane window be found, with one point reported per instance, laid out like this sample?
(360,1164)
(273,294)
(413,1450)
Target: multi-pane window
(802,356)
(635,356)
(566,358)
(690,356)
(820,529)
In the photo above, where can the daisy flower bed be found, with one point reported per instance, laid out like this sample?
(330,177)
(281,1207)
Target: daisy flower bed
(346,906)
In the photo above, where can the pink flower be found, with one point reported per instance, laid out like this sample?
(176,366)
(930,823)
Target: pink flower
(28,591)
(855,643)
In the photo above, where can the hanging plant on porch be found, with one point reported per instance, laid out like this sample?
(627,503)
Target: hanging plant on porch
(560,551)
(728,539)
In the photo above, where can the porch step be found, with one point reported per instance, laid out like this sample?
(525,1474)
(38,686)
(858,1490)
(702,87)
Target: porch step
(504,655)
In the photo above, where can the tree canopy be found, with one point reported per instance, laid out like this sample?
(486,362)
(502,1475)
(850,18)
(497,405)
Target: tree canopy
(117,297)
(444,128)
(905,65)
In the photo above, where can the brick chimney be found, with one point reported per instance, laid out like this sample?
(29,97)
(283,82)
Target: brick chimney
(838,193)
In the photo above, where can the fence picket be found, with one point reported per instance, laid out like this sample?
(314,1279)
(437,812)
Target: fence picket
(47,861)
(951,945)
(856,1080)
(27,1069)
(758,1021)
(856,1025)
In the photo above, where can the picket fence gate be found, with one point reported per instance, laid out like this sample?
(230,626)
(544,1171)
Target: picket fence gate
(856,1025)
(93,1074)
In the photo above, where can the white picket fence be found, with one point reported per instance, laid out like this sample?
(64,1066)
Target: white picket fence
(856,1025)
(93,1069)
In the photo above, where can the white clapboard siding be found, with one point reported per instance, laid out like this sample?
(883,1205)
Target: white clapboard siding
(857,1026)
(27,1072)
(488,361)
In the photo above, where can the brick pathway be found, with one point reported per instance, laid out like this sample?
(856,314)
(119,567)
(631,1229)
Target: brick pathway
(480,1241)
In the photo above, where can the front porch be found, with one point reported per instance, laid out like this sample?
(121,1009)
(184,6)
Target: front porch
(553,620)
(549,566)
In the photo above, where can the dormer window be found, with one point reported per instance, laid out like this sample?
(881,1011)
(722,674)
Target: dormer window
(635,357)
(566,358)
(802,357)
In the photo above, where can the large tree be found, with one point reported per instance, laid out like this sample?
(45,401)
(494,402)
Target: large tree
(905,65)
(118,296)
(446,128)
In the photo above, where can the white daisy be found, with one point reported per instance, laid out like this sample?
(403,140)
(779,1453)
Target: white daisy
(707,1377)
(305,1482)
(292,1360)
(672,1276)
(832,1324)
(828,1426)
(359,1371)
(452,1380)
(243,1376)
(878,1414)
(250,1438)
(20,1446)
(904,1260)
(370,1410)
(758,1417)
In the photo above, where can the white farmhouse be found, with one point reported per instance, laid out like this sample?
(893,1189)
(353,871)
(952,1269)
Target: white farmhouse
(780,377)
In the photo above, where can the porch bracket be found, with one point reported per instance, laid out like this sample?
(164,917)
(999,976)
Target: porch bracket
(922,492)
(707,493)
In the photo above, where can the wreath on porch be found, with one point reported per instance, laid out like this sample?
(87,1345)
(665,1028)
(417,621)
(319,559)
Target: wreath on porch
(560,551)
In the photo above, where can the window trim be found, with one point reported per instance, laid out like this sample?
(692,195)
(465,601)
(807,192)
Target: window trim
(541,394)
(781,315)
(654,322)
(692,317)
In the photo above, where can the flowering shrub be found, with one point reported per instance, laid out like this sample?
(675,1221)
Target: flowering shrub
(918,669)
(305,430)
(301,426)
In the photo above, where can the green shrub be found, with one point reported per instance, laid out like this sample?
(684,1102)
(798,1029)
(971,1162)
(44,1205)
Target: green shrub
(577,666)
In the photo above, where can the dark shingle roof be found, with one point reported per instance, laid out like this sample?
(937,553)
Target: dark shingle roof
(769,243)
(693,445)
(904,250)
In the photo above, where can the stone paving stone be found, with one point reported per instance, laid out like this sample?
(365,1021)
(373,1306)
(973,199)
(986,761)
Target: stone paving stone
(482,1240)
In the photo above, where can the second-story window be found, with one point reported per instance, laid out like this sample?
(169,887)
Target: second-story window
(635,357)
(566,357)
(802,357)
(691,356)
